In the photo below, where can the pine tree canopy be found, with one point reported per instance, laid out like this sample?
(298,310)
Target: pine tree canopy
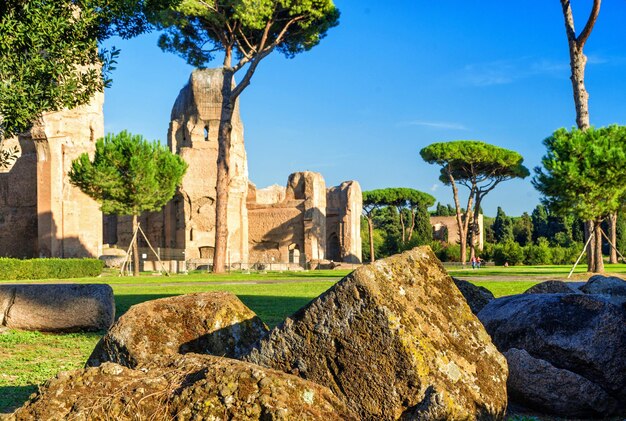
(128,174)
(583,172)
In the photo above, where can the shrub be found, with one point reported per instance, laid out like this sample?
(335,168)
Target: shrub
(487,252)
(509,252)
(446,252)
(49,268)
(538,254)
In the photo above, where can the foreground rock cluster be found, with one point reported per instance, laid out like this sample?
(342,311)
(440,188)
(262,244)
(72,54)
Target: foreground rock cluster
(393,340)
(188,387)
(565,346)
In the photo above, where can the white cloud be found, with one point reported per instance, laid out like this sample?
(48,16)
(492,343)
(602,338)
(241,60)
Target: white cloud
(434,188)
(502,72)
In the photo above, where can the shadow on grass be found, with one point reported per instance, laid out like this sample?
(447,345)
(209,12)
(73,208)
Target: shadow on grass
(271,309)
(12,397)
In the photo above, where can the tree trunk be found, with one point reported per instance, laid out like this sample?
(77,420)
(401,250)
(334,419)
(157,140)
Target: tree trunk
(135,248)
(403,227)
(581,97)
(412,227)
(223,173)
(370,227)
(591,246)
(474,229)
(613,237)
(598,265)
(462,221)
(578,61)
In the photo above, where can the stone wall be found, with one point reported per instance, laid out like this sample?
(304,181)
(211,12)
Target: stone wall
(44,215)
(445,229)
(18,201)
(343,222)
(193,135)
(288,227)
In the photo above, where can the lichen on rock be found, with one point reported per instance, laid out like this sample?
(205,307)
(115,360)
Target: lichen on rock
(394,339)
(215,323)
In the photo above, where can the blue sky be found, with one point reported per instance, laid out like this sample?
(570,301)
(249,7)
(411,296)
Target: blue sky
(393,77)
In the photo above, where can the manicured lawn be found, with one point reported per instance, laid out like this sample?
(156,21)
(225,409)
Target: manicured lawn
(111,277)
(556,271)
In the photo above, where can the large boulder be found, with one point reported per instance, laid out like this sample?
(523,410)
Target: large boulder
(476,297)
(189,387)
(57,307)
(394,339)
(215,323)
(551,287)
(538,384)
(583,334)
(611,288)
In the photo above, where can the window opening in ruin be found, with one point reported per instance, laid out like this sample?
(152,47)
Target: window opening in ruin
(294,254)
(333,248)
(206,133)
(206,252)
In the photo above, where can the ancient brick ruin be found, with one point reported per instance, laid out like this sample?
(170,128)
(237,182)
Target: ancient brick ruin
(41,213)
(300,224)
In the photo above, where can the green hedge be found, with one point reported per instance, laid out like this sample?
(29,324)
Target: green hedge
(11,269)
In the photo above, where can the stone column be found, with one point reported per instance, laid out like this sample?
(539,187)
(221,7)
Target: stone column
(69,222)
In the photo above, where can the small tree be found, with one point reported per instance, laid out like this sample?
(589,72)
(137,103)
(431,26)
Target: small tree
(372,200)
(478,166)
(523,229)
(246,32)
(583,173)
(541,226)
(409,203)
(127,176)
(502,227)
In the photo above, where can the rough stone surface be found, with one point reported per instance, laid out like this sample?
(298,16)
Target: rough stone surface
(57,308)
(610,287)
(550,287)
(394,339)
(190,387)
(445,229)
(216,323)
(344,204)
(476,297)
(41,213)
(112,261)
(292,230)
(537,384)
(580,333)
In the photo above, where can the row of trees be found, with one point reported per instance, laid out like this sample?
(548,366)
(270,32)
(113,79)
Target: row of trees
(400,215)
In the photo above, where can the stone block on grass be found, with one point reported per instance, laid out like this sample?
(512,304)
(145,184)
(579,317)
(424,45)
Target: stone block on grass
(57,307)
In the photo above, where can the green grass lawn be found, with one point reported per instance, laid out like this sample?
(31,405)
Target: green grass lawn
(556,271)
(30,358)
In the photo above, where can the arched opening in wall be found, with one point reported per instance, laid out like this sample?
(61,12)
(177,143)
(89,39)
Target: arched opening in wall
(294,254)
(206,252)
(206,133)
(333,248)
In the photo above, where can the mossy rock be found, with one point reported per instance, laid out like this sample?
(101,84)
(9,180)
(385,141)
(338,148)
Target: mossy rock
(394,339)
